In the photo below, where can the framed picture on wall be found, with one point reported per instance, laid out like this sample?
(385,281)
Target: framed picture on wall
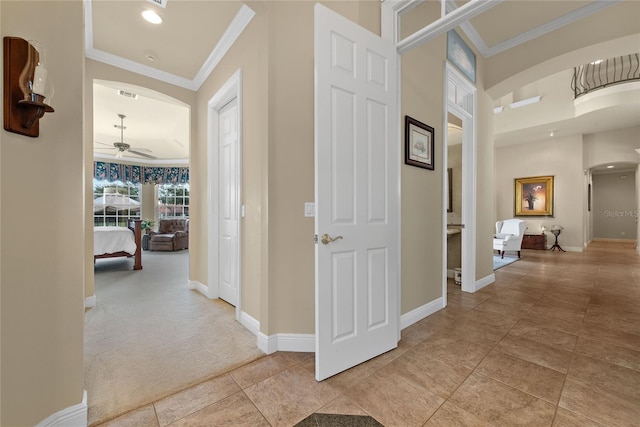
(418,144)
(534,196)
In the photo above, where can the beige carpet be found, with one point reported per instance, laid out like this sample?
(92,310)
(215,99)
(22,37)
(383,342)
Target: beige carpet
(149,336)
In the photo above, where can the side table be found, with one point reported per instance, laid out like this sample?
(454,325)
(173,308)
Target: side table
(145,242)
(556,245)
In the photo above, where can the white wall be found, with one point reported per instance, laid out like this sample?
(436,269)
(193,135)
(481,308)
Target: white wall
(560,157)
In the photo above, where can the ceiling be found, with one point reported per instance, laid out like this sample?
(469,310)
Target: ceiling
(117,34)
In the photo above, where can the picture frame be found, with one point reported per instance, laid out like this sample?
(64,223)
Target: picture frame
(533,196)
(461,55)
(418,144)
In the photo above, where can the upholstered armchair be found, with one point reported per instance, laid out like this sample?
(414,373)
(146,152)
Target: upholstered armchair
(508,237)
(172,235)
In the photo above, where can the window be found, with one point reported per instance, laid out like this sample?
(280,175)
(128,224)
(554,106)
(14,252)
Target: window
(114,203)
(173,201)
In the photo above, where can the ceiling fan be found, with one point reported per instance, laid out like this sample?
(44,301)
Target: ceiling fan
(121,146)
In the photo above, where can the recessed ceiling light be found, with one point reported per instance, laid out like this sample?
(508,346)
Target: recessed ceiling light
(610,167)
(151,16)
(596,62)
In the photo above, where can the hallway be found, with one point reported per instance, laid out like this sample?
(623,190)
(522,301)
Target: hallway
(554,341)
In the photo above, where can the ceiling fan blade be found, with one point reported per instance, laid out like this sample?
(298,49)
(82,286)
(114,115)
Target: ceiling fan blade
(103,148)
(140,149)
(148,156)
(102,143)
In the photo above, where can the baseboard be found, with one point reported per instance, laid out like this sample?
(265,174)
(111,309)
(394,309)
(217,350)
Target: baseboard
(287,342)
(485,281)
(90,302)
(421,312)
(603,239)
(200,287)
(73,416)
(250,323)
(307,342)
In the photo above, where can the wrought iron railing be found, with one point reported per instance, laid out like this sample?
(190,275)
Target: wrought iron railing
(604,73)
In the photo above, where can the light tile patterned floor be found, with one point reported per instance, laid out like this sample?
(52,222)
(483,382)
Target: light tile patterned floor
(554,341)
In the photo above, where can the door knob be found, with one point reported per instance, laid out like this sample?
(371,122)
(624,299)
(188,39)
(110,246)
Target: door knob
(326,239)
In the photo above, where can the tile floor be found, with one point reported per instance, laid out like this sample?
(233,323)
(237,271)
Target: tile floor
(554,341)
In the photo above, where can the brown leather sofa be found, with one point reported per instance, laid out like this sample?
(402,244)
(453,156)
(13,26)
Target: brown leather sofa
(172,235)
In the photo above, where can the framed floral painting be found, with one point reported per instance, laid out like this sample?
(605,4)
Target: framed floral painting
(534,196)
(418,140)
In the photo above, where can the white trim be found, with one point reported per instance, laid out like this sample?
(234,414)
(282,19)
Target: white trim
(392,10)
(450,21)
(305,343)
(528,101)
(467,114)
(421,312)
(237,26)
(200,287)
(90,302)
(548,27)
(232,89)
(250,323)
(235,29)
(268,344)
(485,281)
(73,416)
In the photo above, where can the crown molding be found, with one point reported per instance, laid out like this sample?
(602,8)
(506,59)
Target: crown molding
(237,26)
(235,29)
(536,32)
(550,26)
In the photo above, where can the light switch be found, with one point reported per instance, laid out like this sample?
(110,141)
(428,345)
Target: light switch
(309,209)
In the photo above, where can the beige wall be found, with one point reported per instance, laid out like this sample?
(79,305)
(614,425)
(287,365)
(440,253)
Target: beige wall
(576,43)
(422,222)
(42,272)
(249,54)
(560,157)
(485,176)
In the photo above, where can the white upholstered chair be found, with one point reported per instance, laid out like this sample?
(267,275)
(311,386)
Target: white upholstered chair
(509,234)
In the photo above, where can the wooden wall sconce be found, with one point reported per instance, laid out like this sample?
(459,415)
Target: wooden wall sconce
(26,87)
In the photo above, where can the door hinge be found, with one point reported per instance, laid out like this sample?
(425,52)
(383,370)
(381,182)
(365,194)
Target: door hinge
(315,239)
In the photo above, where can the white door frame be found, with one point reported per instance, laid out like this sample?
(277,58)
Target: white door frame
(460,100)
(230,90)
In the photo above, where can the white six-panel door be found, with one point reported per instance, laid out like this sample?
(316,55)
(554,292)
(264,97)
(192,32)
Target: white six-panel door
(357,160)
(228,203)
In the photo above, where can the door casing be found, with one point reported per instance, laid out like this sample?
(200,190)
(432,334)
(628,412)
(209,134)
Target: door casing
(230,90)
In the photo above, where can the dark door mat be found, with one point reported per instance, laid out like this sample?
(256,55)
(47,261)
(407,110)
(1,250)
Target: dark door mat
(335,420)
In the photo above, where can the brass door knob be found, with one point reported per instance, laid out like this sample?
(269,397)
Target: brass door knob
(326,239)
